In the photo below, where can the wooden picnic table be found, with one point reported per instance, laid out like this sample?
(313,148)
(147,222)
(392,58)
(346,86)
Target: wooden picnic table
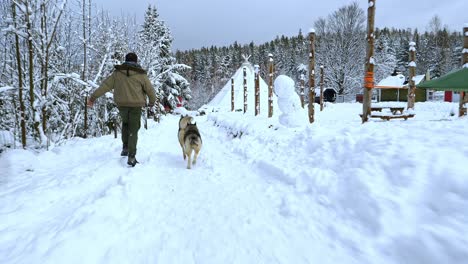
(396,112)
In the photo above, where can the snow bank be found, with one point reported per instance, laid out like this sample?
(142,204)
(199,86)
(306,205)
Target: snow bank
(392,192)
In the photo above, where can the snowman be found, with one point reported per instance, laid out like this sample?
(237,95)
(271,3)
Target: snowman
(289,102)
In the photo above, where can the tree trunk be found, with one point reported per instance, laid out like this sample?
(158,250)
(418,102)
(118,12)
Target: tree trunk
(369,69)
(83,76)
(44,65)
(30,44)
(20,80)
(302,90)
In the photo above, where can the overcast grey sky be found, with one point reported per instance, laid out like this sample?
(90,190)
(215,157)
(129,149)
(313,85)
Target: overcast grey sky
(197,23)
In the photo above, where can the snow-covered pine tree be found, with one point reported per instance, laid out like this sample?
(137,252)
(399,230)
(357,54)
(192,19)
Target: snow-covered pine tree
(154,49)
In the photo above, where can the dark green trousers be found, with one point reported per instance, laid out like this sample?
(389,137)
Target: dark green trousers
(130,125)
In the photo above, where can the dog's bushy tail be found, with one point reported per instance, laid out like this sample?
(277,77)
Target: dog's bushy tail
(194,140)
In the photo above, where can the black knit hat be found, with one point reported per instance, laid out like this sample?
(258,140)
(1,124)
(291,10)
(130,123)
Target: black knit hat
(131,57)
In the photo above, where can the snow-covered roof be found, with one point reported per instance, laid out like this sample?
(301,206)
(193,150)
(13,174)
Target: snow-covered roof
(398,81)
(418,78)
(392,82)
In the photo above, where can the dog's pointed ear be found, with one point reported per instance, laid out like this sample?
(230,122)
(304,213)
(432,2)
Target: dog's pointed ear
(195,123)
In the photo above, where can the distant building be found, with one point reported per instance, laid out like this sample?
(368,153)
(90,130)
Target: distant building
(395,88)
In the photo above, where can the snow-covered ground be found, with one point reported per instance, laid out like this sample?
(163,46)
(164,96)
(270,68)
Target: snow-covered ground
(336,191)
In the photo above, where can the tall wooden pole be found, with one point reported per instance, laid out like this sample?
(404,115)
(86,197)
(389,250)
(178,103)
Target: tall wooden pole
(232,94)
(302,89)
(463,95)
(321,88)
(257,90)
(245,89)
(369,70)
(270,85)
(412,73)
(311,75)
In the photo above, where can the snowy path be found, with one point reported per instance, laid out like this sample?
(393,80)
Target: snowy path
(270,195)
(158,212)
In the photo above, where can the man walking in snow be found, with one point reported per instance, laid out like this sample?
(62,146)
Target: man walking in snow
(131,87)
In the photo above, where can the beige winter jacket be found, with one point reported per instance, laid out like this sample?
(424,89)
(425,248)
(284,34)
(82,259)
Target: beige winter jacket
(130,84)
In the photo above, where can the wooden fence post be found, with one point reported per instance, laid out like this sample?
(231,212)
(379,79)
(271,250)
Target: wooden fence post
(463,95)
(257,90)
(321,87)
(369,68)
(245,89)
(270,85)
(412,73)
(232,94)
(311,75)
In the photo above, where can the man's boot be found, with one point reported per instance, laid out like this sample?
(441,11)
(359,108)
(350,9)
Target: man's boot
(124,151)
(132,160)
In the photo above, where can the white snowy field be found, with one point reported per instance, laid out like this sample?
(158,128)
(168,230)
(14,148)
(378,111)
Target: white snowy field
(336,191)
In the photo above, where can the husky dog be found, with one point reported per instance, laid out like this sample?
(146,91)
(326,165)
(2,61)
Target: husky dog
(192,142)
(183,122)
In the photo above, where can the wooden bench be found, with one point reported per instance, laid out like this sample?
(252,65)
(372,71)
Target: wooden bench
(393,109)
(388,117)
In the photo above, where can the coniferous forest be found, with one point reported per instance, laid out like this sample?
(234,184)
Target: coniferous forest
(54,52)
(340,48)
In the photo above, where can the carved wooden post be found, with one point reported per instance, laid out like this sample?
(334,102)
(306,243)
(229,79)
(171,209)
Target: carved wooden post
(302,89)
(311,75)
(245,89)
(257,90)
(321,88)
(270,85)
(232,94)
(369,68)
(412,73)
(463,96)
